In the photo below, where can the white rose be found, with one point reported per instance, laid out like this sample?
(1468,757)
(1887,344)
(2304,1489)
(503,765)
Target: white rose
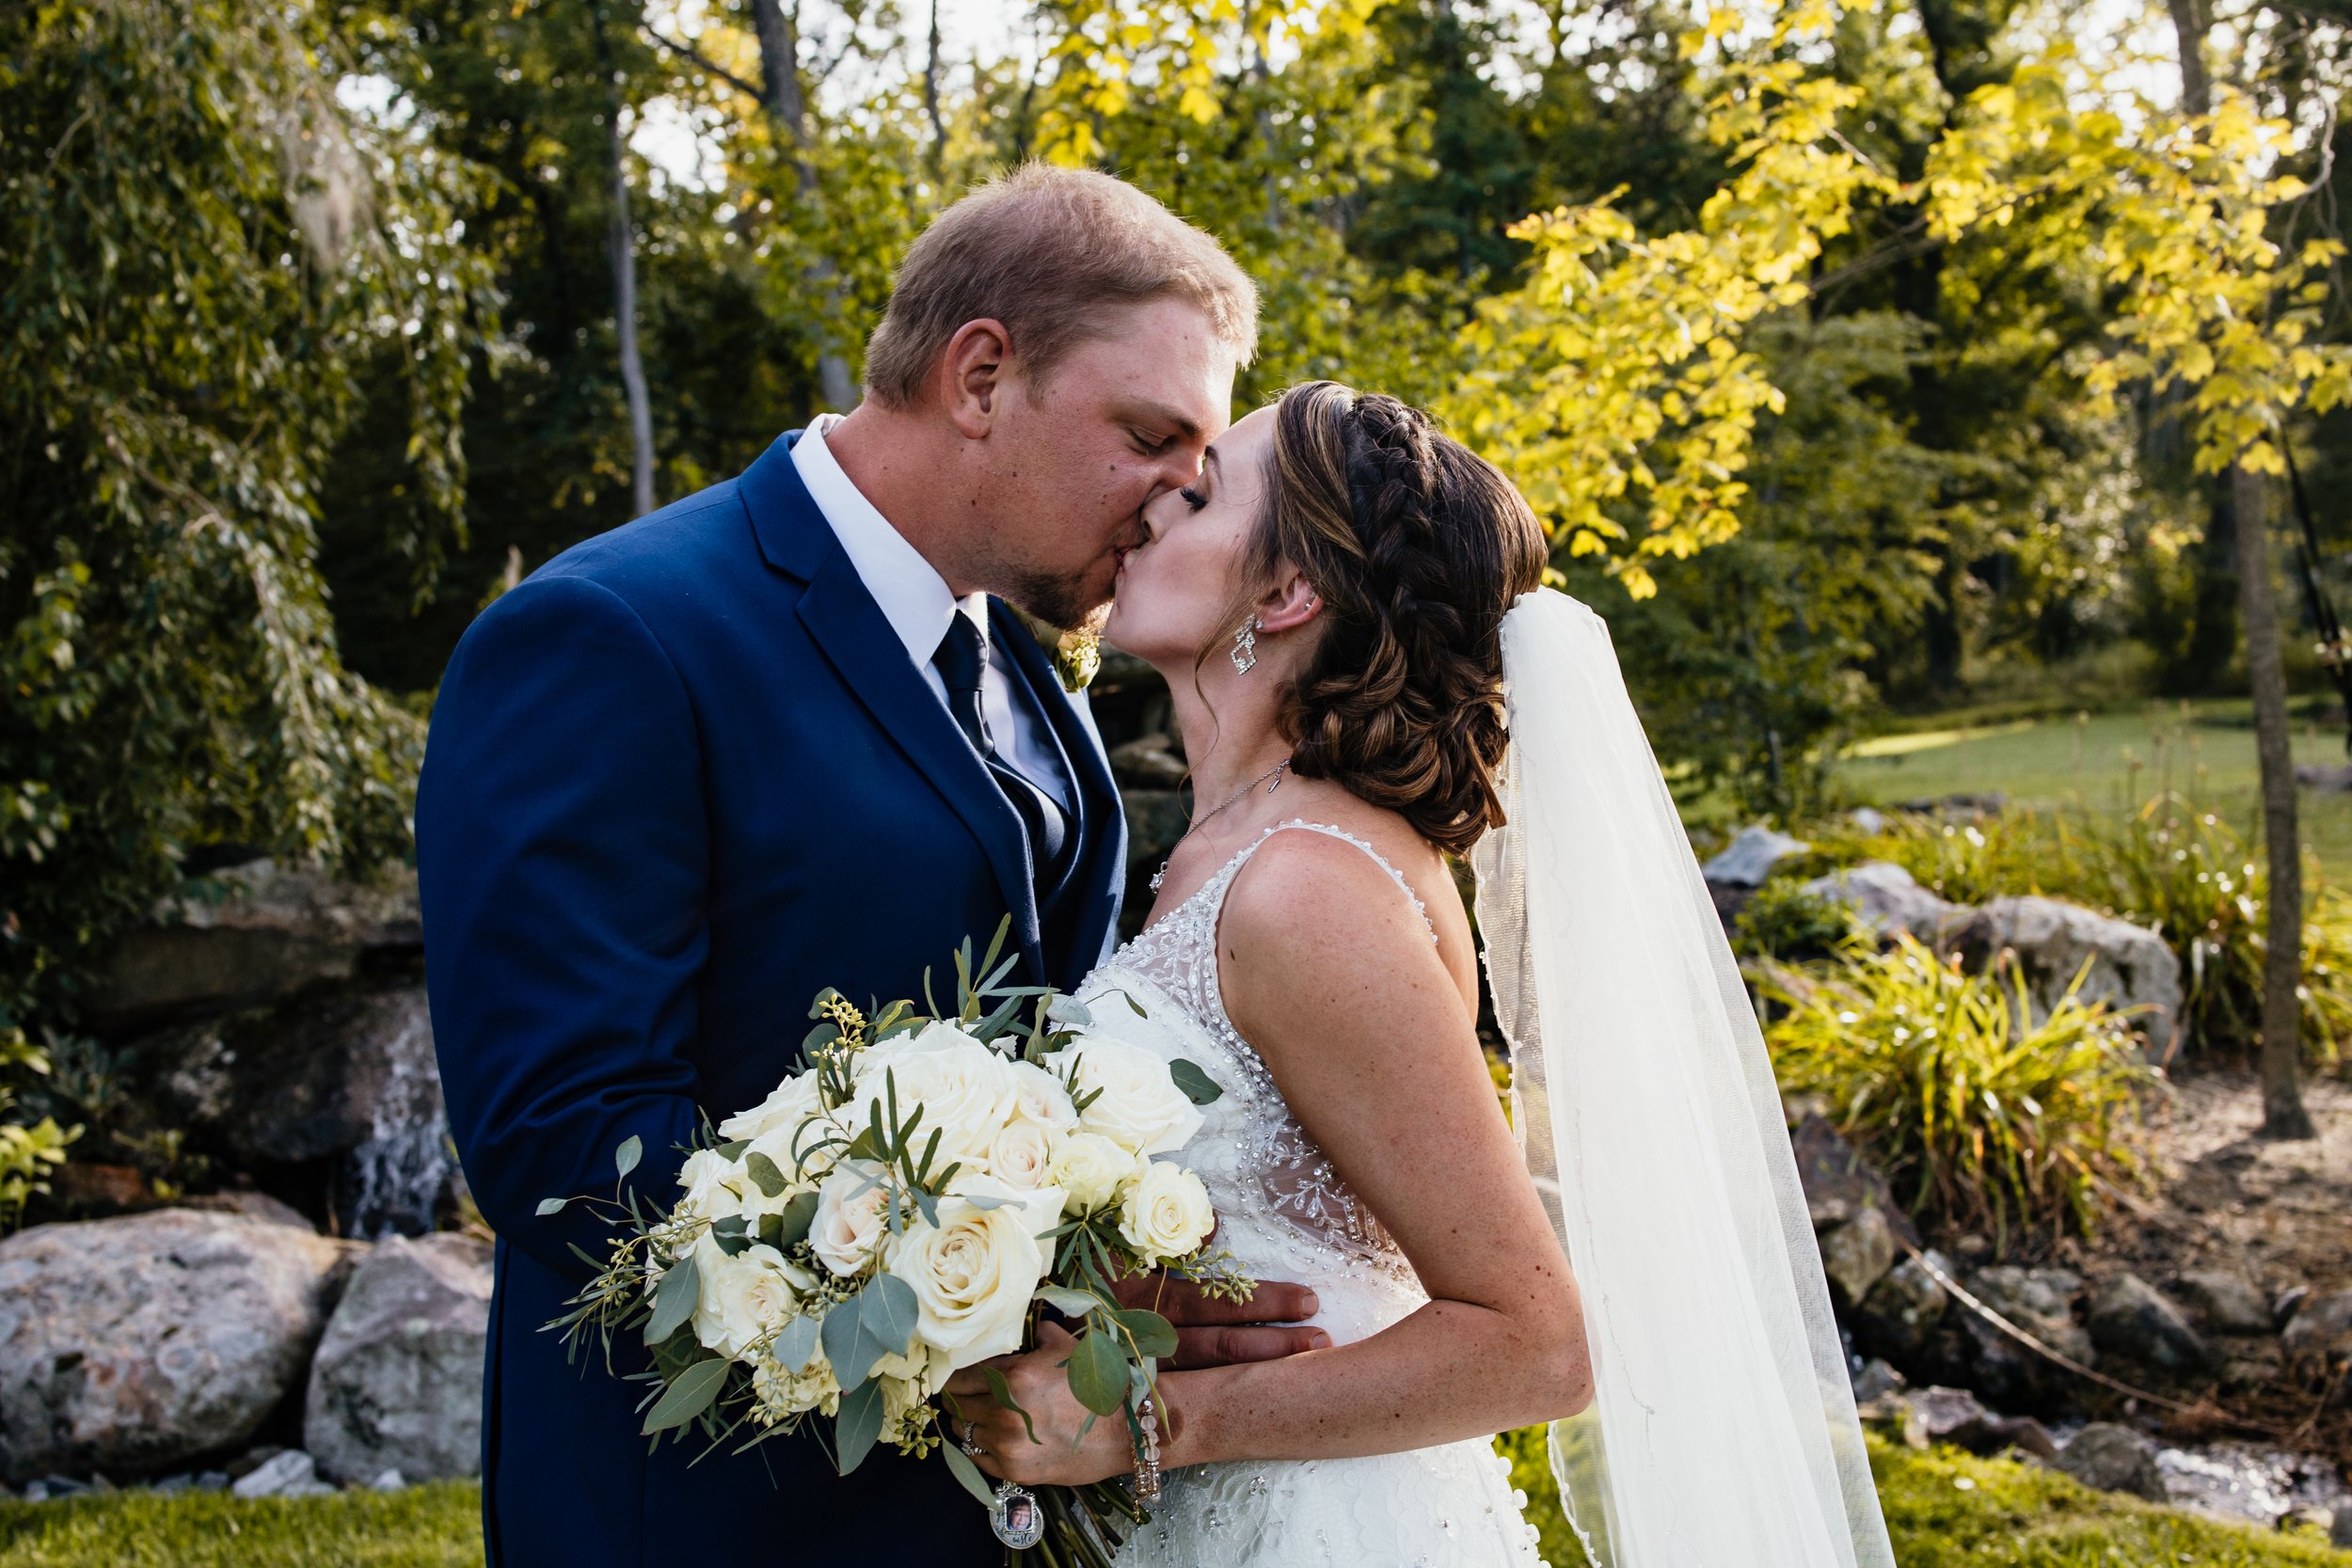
(744,1298)
(1138,1103)
(966,1092)
(1038,1096)
(1022,1154)
(1092,1168)
(938,1035)
(1164,1214)
(850,1219)
(973,1273)
(793,1101)
(714,1185)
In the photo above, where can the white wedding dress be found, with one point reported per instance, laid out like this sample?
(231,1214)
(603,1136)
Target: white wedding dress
(1284,1214)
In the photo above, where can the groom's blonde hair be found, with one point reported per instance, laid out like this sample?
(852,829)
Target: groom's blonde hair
(1051,254)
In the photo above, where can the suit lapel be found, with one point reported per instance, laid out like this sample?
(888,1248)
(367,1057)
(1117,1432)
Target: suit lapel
(857,639)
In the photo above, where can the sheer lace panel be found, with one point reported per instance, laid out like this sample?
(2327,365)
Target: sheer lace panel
(1293,1182)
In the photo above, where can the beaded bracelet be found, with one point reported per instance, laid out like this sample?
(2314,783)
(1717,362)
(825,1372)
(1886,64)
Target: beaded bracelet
(1147,1452)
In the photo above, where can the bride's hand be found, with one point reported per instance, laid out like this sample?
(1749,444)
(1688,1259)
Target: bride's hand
(1059,1456)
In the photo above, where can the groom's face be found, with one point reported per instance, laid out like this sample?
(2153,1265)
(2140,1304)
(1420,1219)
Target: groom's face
(1123,417)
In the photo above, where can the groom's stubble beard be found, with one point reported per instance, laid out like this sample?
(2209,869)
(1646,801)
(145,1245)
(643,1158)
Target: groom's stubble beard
(1067,603)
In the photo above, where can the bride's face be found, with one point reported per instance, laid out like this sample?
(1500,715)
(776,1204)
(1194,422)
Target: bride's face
(1174,596)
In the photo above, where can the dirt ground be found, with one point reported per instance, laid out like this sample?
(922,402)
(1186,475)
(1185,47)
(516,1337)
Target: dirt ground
(2280,1213)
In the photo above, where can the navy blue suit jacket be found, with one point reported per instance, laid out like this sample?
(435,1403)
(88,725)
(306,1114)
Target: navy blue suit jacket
(681,779)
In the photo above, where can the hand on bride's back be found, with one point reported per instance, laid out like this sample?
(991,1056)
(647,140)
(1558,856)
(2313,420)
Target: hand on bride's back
(1214,1333)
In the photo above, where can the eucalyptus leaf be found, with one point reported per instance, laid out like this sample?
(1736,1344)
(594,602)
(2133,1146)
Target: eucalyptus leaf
(1098,1373)
(794,1345)
(687,1397)
(734,1245)
(890,1312)
(731,1225)
(764,1174)
(800,1211)
(857,1424)
(1061,1298)
(968,1473)
(551,1205)
(625,1157)
(1069,1010)
(1197,1085)
(1001,1391)
(732,1150)
(771,1231)
(851,1350)
(1154,1334)
(674,1299)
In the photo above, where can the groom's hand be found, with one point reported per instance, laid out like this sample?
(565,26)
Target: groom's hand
(1213,1333)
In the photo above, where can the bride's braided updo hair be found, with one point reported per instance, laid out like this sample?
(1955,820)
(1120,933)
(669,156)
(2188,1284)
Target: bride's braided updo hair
(1417,547)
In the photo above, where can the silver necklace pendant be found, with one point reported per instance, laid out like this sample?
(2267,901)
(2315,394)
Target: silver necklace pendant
(1016,1517)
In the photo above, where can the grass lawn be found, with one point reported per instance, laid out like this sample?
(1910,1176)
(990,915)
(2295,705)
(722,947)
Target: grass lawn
(2109,762)
(1944,1508)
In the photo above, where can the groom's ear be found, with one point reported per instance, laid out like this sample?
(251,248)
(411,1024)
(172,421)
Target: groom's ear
(976,372)
(1291,603)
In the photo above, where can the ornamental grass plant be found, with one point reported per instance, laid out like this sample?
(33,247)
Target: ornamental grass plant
(1984,1111)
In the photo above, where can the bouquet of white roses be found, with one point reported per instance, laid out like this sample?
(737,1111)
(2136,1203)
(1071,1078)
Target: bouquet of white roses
(905,1207)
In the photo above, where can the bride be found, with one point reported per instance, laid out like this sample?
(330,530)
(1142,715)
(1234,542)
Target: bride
(1368,675)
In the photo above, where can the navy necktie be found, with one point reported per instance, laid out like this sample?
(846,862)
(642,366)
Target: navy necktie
(959,661)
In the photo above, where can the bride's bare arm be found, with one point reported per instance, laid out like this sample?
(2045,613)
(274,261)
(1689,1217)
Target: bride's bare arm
(1327,970)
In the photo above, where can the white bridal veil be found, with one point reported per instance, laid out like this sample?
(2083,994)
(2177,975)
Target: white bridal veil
(1722,1432)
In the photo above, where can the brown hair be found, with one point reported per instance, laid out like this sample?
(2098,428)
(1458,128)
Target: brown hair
(1050,253)
(1417,547)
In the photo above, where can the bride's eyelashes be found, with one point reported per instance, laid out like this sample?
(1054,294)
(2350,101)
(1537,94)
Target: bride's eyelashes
(1193,498)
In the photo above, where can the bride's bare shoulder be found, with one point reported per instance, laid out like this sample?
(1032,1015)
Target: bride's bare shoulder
(1317,896)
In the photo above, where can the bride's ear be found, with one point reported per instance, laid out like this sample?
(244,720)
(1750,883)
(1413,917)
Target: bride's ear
(1290,604)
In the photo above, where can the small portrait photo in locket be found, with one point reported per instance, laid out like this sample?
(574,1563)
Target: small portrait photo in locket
(1019,1522)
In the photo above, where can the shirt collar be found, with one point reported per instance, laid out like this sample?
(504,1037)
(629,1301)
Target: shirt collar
(914,598)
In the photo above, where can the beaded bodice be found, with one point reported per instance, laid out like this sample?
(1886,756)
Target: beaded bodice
(1284,1213)
(1280,1205)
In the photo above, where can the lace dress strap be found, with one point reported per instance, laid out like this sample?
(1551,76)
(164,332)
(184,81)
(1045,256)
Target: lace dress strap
(1223,881)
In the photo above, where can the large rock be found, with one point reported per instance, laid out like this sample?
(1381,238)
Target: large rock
(347,1078)
(1838,1182)
(1856,1255)
(134,1345)
(252,934)
(2129,965)
(2129,1318)
(2225,1303)
(397,1384)
(2111,1458)
(2318,1339)
(1954,1415)
(1885,899)
(1750,858)
(1902,1310)
(2041,1303)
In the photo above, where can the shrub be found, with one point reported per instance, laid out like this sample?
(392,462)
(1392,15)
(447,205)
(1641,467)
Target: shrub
(1986,1115)
(28,1154)
(1781,920)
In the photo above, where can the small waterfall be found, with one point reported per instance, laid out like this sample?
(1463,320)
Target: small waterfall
(396,1176)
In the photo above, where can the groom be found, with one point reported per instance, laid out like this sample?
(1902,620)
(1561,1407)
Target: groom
(780,736)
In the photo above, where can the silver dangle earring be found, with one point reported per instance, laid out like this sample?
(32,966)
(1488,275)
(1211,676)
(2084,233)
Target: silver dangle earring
(1245,650)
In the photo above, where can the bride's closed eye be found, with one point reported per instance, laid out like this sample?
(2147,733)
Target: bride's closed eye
(1193,498)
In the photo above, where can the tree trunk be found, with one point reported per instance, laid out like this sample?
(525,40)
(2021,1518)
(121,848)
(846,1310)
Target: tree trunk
(2284,1115)
(780,75)
(930,102)
(621,245)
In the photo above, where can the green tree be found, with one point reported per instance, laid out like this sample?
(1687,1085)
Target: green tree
(205,250)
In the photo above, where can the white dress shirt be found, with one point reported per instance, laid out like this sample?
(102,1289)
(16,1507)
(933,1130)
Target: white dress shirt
(916,602)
